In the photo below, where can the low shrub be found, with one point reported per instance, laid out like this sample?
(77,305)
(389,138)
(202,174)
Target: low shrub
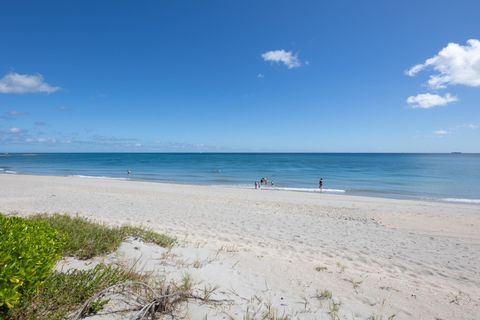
(29,250)
(28,253)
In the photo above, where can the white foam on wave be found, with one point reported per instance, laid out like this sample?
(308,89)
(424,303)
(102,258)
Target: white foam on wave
(304,189)
(10,171)
(459,200)
(248,186)
(96,177)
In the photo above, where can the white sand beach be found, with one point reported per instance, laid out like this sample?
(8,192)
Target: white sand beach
(380,258)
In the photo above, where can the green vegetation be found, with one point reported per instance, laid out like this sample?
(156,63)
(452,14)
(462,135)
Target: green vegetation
(324,294)
(63,293)
(334,309)
(269,314)
(28,253)
(147,236)
(87,239)
(186,285)
(29,250)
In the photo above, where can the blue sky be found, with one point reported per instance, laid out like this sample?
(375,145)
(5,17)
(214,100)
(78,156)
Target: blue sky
(315,76)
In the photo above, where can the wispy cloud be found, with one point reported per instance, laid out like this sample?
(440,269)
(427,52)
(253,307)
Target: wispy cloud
(472,126)
(454,65)
(10,115)
(453,130)
(281,56)
(74,141)
(429,100)
(40,123)
(61,109)
(25,83)
(18,136)
(12,135)
(41,140)
(441,133)
(15,130)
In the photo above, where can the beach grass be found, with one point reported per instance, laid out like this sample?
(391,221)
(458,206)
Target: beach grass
(86,239)
(63,293)
(324,294)
(148,236)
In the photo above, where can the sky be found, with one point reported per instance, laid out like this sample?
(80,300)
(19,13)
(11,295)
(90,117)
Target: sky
(240,76)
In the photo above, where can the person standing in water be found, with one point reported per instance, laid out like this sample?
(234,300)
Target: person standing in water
(320,184)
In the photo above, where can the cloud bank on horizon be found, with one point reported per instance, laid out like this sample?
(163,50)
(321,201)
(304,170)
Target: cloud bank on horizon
(453,65)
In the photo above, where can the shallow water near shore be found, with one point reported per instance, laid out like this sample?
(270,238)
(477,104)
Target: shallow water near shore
(446,177)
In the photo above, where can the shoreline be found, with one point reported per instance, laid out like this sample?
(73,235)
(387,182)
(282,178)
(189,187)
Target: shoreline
(328,191)
(377,256)
(332,199)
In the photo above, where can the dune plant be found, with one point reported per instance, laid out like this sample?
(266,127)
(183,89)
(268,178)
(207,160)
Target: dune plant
(87,239)
(28,253)
(65,292)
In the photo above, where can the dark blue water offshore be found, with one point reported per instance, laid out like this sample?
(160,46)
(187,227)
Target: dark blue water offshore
(448,177)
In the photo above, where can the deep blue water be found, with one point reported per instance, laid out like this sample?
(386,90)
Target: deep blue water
(427,176)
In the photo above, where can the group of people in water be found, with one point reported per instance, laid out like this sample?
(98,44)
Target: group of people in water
(264,182)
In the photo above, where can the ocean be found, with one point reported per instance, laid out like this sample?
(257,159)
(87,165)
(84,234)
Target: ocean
(443,177)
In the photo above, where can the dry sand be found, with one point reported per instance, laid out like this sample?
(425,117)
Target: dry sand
(380,258)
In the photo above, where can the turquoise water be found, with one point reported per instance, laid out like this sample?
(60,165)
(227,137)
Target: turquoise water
(447,177)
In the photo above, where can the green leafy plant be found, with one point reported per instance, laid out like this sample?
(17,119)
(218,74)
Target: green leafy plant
(28,253)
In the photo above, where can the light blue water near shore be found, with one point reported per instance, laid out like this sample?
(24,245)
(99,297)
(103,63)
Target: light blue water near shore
(446,177)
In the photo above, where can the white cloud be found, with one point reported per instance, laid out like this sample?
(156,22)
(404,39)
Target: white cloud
(281,56)
(25,83)
(441,133)
(454,65)
(412,72)
(471,126)
(429,100)
(61,109)
(260,76)
(41,140)
(10,115)
(15,130)
(455,129)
